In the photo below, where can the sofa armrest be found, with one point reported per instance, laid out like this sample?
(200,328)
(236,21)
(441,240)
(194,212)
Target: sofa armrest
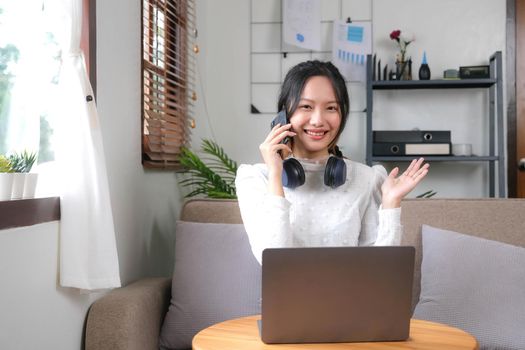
(129,317)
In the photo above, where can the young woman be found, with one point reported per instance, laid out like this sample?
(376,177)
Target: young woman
(341,203)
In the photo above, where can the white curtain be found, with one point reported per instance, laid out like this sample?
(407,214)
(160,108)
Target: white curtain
(88,253)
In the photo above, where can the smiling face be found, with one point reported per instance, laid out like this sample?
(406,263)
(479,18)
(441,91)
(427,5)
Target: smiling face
(316,120)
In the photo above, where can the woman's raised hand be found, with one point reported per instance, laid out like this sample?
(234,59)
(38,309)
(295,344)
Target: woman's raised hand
(272,147)
(395,188)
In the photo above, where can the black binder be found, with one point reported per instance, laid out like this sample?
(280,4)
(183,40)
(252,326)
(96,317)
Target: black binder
(412,136)
(411,148)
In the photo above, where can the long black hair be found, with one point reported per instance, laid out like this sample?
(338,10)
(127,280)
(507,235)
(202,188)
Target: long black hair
(295,81)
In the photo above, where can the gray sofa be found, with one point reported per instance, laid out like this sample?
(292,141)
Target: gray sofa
(130,317)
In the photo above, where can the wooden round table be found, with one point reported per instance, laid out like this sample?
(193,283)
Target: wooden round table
(243,333)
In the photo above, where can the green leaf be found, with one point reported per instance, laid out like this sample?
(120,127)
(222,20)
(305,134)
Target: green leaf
(5,165)
(196,192)
(221,195)
(22,162)
(427,194)
(214,150)
(213,174)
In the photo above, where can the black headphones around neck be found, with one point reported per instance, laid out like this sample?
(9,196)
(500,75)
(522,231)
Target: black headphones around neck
(334,172)
(293,172)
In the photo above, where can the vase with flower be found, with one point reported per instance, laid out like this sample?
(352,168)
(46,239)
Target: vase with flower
(403,65)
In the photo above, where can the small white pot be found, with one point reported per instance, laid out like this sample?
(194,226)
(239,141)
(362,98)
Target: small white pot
(18,185)
(6,186)
(30,185)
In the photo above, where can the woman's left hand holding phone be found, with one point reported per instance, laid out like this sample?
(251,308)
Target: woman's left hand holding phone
(273,151)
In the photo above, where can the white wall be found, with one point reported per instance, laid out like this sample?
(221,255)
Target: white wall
(145,203)
(453,33)
(34,312)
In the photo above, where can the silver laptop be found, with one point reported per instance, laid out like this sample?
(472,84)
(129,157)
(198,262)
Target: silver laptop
(336,294)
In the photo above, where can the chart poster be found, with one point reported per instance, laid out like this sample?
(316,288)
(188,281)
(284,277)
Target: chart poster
(351,43)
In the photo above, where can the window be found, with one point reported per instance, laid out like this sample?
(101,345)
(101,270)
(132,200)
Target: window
(35,29)
(29,67)
(167,80)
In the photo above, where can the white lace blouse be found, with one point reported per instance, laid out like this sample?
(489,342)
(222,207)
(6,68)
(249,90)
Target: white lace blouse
(314,214)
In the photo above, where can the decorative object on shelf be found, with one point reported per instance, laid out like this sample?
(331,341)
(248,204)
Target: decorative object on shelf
(424,70)
(451,74)
(21,163)
(403,65)
(404,70)
(474,72)
(213,175)
(402,43)
(6,178)
(462,149)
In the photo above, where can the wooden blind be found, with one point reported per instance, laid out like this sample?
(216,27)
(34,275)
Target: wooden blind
(167,59)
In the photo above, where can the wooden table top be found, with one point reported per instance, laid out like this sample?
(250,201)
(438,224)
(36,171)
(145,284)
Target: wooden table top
(243,333)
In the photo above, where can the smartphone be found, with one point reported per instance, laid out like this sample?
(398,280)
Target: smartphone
(282,119)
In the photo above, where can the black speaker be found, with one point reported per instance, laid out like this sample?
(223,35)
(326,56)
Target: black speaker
(334,173)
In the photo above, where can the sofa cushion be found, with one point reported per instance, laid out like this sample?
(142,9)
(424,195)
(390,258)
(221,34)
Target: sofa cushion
(474,284)
(215,278)
(499,219)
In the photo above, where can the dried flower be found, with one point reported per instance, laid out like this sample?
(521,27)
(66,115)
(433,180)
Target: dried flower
(403,43)
(395,35)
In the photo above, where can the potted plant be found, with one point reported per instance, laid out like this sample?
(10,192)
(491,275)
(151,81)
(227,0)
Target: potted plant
(6,178)
(213,175)
(21,164)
